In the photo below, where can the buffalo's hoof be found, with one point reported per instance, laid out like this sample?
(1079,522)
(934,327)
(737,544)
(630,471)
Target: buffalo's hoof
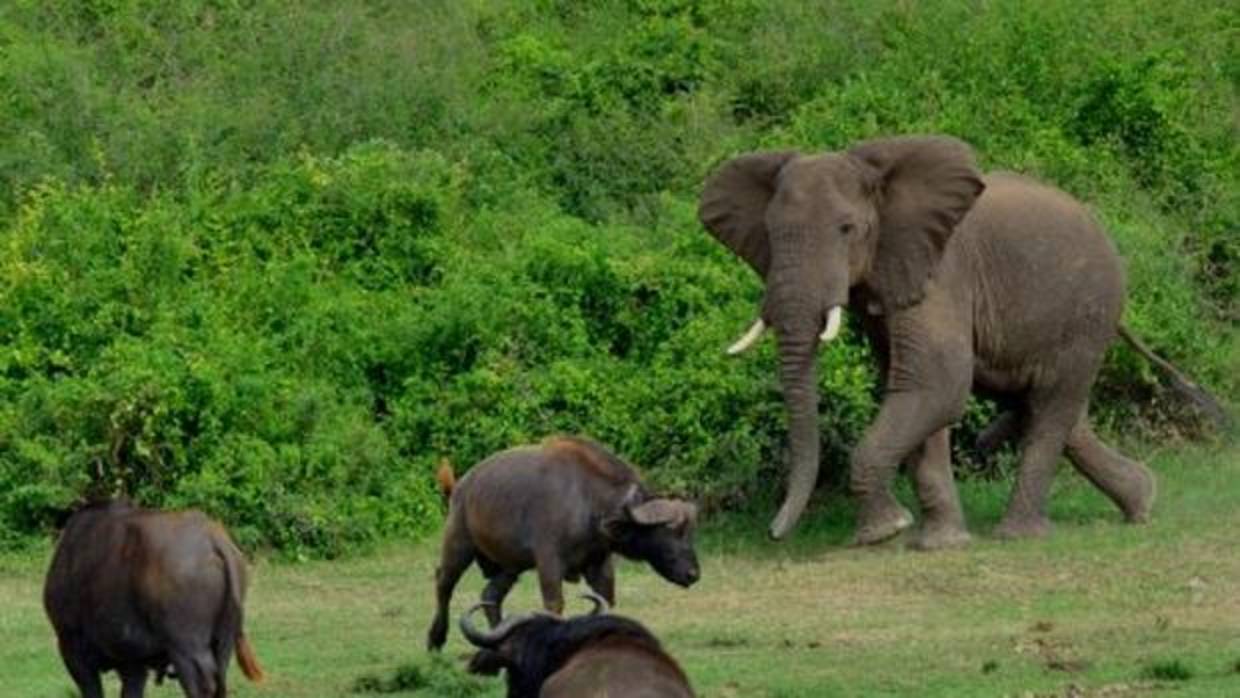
(436,638)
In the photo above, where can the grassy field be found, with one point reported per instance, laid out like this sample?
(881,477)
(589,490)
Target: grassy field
(1099,609)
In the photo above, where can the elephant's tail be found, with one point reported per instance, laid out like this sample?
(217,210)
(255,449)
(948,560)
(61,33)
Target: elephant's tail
(1195,394)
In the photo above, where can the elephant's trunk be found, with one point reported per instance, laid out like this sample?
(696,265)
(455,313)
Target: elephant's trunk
(800,384)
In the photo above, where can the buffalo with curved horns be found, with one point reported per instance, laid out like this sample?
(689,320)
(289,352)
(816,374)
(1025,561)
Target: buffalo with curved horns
(561,507)
(598,655)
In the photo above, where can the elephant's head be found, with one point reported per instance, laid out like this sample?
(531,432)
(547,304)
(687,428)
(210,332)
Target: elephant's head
(814,227)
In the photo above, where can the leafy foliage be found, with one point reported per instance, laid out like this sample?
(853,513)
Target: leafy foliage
(275,260)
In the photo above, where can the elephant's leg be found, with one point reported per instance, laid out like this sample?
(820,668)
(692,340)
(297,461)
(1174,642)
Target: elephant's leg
(1128,483)
(942,523)
(1051,417)
(904,422)
(1003,429)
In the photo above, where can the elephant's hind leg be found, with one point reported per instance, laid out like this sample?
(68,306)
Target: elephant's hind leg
(1004,428)
(1052,416)
(942,523)
(1128,483)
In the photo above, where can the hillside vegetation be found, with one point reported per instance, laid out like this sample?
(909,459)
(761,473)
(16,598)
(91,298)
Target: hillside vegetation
(276,259)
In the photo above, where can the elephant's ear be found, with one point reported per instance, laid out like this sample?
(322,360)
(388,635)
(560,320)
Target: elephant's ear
(733,204)
(924,186)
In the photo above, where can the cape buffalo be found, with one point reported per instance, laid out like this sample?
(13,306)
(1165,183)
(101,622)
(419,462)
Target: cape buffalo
(594,656)
(563,507)
(137,590)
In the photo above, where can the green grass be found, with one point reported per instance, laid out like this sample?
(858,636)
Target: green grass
(1114,610)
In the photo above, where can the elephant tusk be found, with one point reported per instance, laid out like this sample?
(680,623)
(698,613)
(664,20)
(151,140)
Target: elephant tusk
(749,339)
(833,325)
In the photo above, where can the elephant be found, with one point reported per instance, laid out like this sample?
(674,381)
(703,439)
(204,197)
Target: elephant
(962,282)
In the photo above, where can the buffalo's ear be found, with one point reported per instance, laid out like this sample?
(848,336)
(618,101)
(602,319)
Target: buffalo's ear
(923,186)
(734,201)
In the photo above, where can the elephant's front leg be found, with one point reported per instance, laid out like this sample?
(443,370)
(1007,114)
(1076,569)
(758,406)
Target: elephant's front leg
(905,421)
(942,524)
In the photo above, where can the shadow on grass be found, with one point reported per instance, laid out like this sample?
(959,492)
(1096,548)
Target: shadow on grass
(830,519)
(826,525)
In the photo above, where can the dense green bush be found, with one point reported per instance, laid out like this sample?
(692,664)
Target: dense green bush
(276,260)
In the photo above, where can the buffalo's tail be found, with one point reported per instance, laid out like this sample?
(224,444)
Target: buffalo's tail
(235,572)
(247,660)
(445,477)
(1194,393)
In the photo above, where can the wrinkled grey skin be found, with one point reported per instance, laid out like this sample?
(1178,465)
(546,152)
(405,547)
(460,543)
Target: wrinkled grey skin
(562,507)
(996,283)
(137,590)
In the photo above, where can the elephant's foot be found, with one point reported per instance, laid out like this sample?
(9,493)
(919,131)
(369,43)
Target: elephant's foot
(1031,526)
(941,536)
(1139,500)
(882,525)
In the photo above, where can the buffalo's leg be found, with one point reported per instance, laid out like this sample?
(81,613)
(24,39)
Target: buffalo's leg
(84,674)
(905,421)
(602,579)
(550,578)
(942,523)
(493,595)
(133,682)
(456,556)
(224,648)
(1126,482)
(196,672)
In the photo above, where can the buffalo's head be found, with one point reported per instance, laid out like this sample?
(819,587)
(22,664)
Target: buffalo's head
(528,647)
(659,531)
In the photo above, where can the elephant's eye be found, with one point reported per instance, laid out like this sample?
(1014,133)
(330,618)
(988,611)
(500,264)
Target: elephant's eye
(847,229)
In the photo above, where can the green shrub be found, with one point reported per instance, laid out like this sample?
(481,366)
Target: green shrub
(434,677)
(1167,670)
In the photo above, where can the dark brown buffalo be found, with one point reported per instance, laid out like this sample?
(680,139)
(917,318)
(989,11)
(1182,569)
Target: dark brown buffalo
(595,656)
(137,590)
(562,507)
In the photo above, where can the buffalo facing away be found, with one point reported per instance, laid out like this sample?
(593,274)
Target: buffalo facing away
(594,656)
(137,590)
(562,507)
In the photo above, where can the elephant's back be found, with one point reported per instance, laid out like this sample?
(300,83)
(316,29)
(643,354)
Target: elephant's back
(1048,278)
(1039,222)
